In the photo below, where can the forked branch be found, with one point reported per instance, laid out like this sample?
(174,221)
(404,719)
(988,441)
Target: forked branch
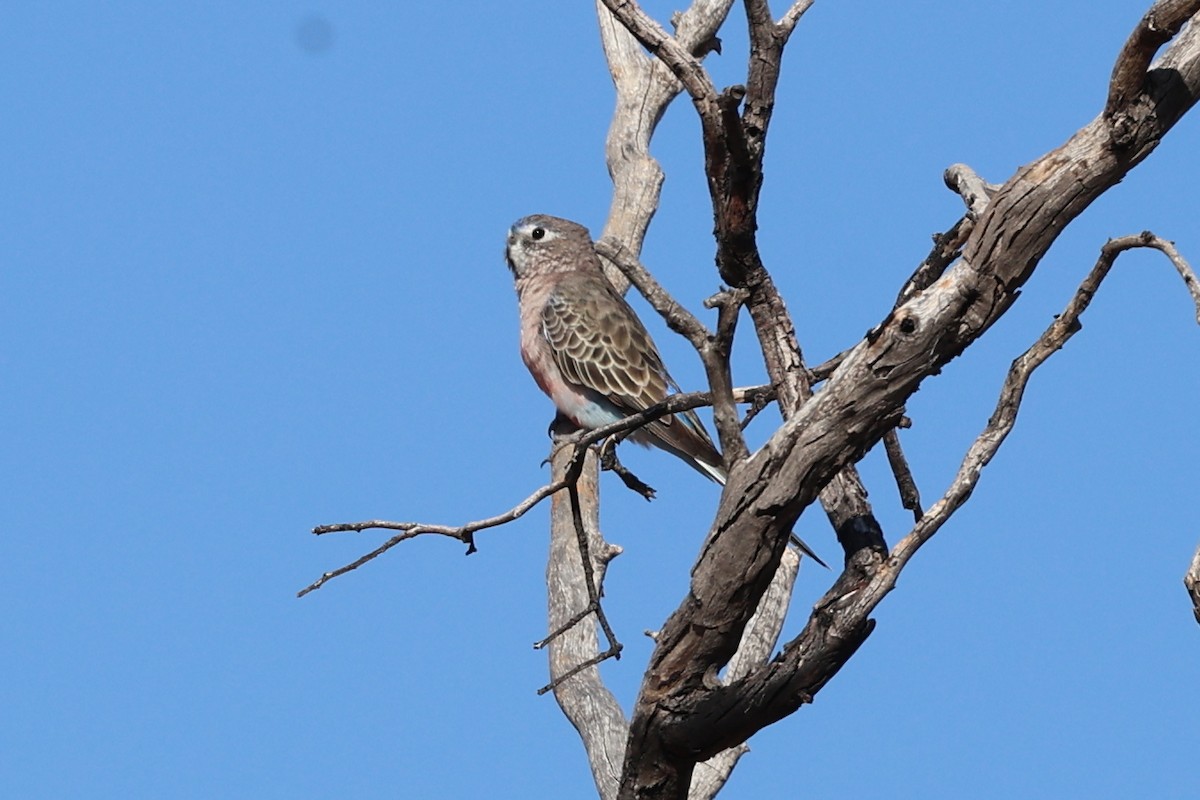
(727,715)
(861,401)
(1160,24)
(579,444)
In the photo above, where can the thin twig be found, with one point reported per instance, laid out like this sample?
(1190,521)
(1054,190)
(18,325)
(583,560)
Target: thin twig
(610,462)
(589,578)
(677,317)
(566,595)
(947,247)
(464,533)
(787,22)
(1004,417)
(593,606)
(571,622)
(571,478)
(910,498)
(611,652)
(757,404)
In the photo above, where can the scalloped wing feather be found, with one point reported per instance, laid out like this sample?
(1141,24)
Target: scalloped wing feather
(598,342)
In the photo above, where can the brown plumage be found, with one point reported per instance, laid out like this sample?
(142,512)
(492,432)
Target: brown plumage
(587,349)
(585,345)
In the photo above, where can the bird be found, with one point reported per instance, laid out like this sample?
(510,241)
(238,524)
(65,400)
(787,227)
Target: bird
(587,349)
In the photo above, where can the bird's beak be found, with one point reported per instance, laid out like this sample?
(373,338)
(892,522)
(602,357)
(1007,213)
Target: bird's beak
(508,248)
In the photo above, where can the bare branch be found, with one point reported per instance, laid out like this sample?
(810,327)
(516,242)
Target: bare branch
(610,463)
(1160,24)
(614,651)
(720,377)
(1004,417)
(910,498)
(974,190)
(464,533)
(589,580)
(757,646)
(577,444)
(353,565)
(678,318)
(861,401)
(840,618)
(947,247)
(1181,266)
(787,23)
(574,654)
(685,66)
(645,87)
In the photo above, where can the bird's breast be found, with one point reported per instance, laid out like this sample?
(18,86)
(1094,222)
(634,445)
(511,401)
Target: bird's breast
(581,405)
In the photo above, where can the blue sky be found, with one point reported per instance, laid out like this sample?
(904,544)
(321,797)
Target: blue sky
(250,287)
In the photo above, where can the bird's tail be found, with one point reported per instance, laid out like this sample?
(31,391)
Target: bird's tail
(799,544)
(683,436)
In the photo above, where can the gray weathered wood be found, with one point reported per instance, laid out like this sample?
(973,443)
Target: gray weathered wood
(679,718)
(583,697)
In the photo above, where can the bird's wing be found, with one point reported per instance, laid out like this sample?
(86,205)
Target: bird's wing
(599,343)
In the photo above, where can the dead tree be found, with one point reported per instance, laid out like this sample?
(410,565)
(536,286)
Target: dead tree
(688,726)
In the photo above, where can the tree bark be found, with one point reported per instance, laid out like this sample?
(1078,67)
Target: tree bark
(680,717)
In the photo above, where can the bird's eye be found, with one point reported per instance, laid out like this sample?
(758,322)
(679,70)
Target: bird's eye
(538,234)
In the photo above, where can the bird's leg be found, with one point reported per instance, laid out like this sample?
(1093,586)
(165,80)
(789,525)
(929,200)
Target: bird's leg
(561,427)
(563,433)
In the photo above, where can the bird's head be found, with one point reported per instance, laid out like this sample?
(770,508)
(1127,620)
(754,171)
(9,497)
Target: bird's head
(540,244)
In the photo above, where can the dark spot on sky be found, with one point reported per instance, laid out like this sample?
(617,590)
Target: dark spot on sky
(314,34)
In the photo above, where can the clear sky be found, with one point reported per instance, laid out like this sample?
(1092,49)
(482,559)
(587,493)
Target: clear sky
(252,281)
